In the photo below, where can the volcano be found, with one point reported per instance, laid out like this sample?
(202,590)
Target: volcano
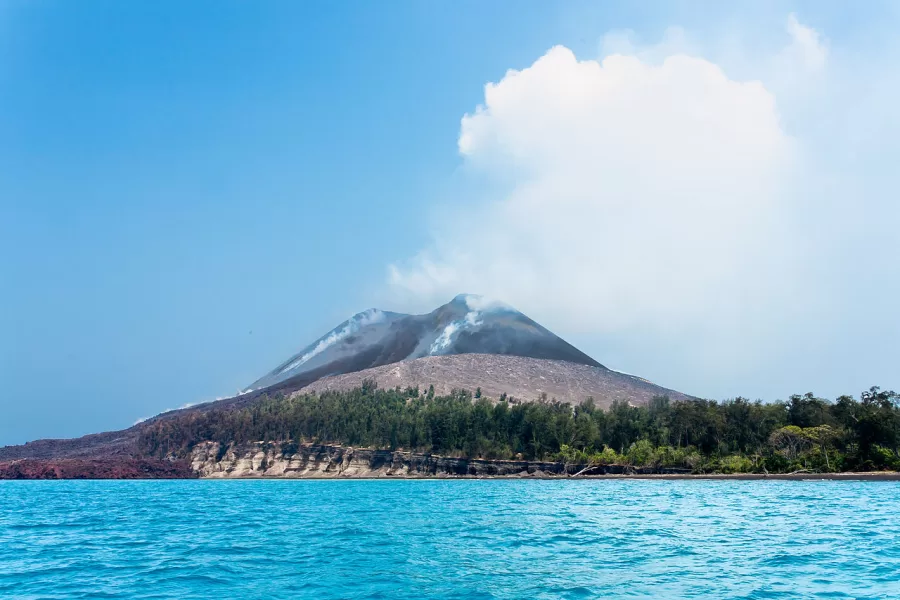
(470,343)
(468,324)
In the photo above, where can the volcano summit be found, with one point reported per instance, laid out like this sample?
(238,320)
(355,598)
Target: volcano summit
(468,324)
(470,342)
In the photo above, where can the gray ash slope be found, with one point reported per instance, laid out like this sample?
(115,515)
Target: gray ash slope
(468,324)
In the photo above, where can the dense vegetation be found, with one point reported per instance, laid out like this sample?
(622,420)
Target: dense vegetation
(734,436)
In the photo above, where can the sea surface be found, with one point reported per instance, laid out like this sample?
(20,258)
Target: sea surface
(449,539)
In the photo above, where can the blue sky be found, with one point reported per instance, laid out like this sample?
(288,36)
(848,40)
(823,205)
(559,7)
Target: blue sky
(189,193)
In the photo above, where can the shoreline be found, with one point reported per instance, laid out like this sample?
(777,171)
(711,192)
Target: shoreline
(271,460)
(868,476)
(861,476)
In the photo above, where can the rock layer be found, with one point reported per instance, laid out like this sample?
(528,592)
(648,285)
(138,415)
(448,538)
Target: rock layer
(289,460)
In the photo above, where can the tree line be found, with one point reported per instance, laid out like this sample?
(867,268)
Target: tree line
(735,436)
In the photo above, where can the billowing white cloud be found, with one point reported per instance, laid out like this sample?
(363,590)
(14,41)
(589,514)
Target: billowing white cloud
(637,188)
(645,195)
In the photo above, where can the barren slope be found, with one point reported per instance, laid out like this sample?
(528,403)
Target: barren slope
(519,377)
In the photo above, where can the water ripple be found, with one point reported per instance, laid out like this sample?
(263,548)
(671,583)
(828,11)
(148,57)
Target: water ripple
(449,539)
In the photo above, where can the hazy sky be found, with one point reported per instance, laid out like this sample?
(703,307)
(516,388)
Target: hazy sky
(704,194)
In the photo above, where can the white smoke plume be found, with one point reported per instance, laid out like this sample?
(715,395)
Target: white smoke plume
(355,323)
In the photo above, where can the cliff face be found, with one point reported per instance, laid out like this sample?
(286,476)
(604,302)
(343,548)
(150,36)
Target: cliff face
(270,459)
(290,460)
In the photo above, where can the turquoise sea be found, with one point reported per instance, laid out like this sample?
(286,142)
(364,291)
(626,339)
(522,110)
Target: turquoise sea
(449,539)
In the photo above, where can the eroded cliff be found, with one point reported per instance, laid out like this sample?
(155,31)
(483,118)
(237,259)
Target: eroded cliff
(274,459)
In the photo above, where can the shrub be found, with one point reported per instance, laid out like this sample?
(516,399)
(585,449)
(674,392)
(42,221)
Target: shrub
(641,453)
(736,464)
(609,457)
